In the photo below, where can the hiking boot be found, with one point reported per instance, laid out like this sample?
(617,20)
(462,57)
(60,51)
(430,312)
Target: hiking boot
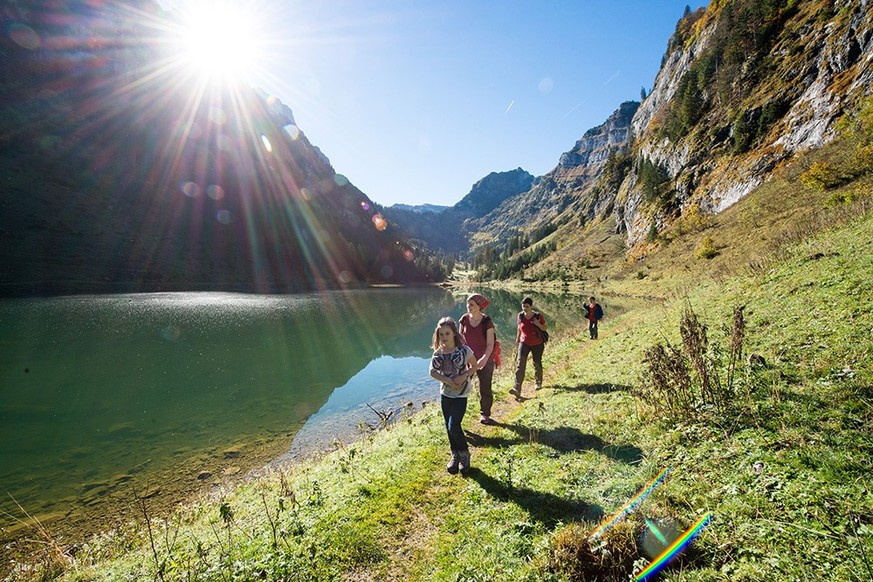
(452,467)
(464,462)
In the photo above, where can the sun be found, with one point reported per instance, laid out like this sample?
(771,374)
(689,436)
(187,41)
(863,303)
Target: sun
(219,40)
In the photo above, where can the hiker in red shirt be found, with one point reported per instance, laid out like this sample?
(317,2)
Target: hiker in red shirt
(529,337)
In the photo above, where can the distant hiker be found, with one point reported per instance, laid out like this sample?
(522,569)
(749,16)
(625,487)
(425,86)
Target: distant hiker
(477,330)
(595,314)
(530,340)
(453,364)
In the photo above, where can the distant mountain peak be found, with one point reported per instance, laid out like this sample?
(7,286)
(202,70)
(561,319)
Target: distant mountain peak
(420,208)
(489,192)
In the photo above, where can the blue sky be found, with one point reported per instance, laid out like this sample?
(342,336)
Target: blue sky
(414,101)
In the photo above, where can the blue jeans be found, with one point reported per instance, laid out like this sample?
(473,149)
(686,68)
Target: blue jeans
(453,413)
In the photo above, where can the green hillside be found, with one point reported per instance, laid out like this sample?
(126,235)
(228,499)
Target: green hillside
(775,443)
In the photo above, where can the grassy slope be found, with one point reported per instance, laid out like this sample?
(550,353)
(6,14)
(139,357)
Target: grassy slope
(787,477)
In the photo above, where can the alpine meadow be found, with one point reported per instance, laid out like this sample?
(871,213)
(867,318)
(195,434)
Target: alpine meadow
(719,428)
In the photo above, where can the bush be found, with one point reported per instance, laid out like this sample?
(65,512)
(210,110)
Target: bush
(678,382)
(707,249)
(820,176)
(575,555)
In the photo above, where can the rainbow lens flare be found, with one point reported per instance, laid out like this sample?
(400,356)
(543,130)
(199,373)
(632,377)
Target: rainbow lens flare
(677,546)
(634,501)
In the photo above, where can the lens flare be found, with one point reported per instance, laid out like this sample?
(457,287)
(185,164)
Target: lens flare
(655,531)
(292,130)
(379,222)
(23,36)
(634,501)
(190,189)
(215,192)
(673,549)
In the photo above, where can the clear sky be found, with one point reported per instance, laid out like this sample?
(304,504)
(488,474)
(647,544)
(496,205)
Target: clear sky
(414,101)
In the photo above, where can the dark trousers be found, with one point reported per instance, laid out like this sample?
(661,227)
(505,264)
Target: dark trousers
(486,395)
(592,328)
(453,413)
(521,363)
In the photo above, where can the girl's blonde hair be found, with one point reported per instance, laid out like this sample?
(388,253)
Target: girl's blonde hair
(450,323)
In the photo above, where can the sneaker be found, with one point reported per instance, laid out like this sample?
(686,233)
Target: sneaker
(485,419)
(452,467)
(515,392)
(538,387)
(464,462)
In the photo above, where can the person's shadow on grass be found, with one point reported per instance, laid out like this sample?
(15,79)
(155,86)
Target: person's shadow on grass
(546,508)
(563,439)
(592,388)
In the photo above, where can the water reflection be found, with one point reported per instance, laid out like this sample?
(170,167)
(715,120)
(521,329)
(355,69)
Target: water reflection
(94,389)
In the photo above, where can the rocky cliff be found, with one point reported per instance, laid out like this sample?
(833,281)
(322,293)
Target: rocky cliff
(565,194)
(744,86)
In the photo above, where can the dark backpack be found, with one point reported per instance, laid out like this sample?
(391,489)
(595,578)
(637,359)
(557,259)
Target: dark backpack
(543,333)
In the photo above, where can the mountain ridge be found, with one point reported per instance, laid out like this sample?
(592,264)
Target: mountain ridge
(451,233)
(123,178)
(737,97)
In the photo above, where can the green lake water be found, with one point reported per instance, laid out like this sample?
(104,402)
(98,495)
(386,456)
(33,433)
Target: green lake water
(96,389)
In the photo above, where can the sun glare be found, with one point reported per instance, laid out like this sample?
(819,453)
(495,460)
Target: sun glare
(219,40)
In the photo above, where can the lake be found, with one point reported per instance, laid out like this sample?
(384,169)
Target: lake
(166,393)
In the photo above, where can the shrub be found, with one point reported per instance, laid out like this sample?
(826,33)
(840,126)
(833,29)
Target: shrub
(679,382)
(819,176)
(707,249)
(694,219)
(574,555)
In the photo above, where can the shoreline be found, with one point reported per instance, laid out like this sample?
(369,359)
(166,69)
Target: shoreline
(161,491)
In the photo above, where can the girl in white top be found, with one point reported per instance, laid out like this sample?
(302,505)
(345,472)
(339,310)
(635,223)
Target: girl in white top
(453,364)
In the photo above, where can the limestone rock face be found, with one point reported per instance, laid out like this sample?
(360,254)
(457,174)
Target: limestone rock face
(595,145)
(834,50)
(815,64)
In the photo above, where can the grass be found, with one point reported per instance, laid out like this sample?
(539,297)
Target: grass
(785,469)
(786,476)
